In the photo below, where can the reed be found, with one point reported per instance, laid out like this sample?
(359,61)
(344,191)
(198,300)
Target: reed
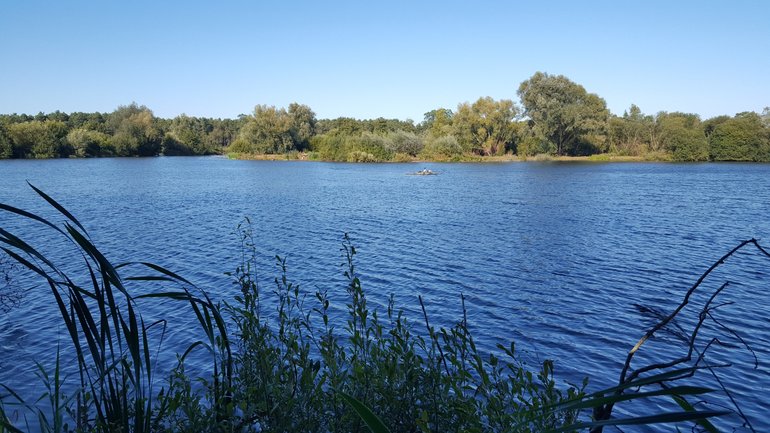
(108,336)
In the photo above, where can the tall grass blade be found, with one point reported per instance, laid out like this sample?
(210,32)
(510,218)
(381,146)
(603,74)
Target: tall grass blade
(371,420)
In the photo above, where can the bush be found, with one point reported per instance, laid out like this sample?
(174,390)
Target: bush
(404,142)
(445,146)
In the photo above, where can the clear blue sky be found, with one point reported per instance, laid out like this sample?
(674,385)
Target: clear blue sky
(366,59)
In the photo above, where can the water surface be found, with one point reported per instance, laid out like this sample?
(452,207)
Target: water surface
(552,255)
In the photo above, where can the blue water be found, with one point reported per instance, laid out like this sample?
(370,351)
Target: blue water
(551,255)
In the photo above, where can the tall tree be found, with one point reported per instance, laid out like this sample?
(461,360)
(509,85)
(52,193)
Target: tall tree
(486,127)
(267,131)
(135,131)
(562,112)
(437,122)
(302,125)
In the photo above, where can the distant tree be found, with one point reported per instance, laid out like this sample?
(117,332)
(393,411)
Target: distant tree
(303,124)
(267,131)
(90,121)
(437,122)
(486,127)
(563,113)
(187,136)
(711,124)
(682,135)
(223,133)
(445,146)
(404,142)
(134,131)
(87,143)
(6,147)
(631,134)
(741,138)
(39,139)
(340,126)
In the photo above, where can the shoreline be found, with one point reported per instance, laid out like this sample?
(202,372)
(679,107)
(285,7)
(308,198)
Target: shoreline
(308,156)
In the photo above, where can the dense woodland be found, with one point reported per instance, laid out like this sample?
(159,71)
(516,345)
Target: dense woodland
(554,116)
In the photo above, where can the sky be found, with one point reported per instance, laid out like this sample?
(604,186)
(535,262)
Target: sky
(368,59)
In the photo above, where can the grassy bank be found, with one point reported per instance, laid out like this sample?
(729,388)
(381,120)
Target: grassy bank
(295,367)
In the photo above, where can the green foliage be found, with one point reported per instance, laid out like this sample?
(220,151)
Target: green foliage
(134,131)
(404,142)
(87,143)
(270,130)
(438,122)
(110,339)
(303,123)
(186,136)
(445,146)
(682,135)
(741,138)
(365,147)
(560,118)
(330,147)
(350,127)
(6,146)
(631,134)
(562,112)
(39,139)
(486,127)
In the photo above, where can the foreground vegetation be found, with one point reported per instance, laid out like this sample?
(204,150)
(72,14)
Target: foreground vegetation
(294,366)
(555,117)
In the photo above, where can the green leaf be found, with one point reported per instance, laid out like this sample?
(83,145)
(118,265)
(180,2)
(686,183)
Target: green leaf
(684,404)
(374,423)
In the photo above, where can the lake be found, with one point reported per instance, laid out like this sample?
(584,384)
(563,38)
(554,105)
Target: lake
(552,255)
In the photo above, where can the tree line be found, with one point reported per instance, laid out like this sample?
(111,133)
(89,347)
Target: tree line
(554,116)
(130,130)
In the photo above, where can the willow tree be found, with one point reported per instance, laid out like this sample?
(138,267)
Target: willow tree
(273,130)
(487,126)
(134,131)
(562,113)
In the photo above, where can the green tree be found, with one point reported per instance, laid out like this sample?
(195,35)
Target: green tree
(303,124)
(563,113)
(404,142)
(187,136)
(682,135)
(438,122)
(134,131)
(39,139)
(223,132)
(267,131)
(445,146)
(87,143)
(631,134)
(486,127)
(275,130)
(741,138)
(6,147)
